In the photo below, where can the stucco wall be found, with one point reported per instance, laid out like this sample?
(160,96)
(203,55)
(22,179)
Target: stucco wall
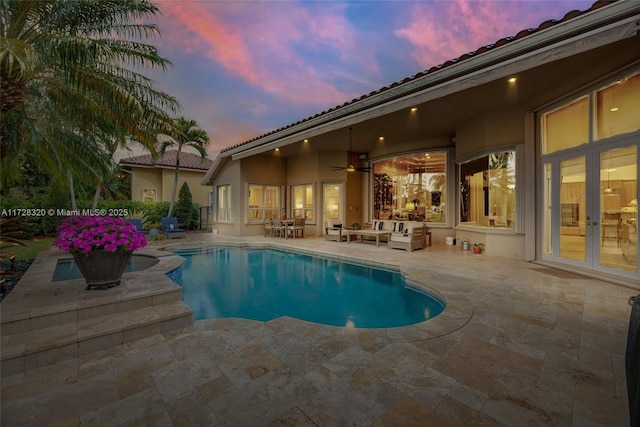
(199,192)
(146,178)
(161,179)
(492,129)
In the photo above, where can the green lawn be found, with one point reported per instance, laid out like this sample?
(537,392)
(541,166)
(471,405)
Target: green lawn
(31,248)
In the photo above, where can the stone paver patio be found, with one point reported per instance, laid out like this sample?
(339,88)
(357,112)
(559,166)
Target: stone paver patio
(521,345)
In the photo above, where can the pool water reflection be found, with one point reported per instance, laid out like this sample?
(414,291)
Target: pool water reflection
(264,284)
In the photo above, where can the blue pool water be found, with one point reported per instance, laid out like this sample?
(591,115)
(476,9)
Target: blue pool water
(66,269)
(264,284)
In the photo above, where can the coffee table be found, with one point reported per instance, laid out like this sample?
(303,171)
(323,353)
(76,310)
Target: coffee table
(376,233)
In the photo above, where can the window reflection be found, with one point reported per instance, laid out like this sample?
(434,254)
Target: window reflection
(410,187)
(487,190)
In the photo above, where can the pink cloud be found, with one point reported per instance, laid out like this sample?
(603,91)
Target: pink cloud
(445,30)
(267,44)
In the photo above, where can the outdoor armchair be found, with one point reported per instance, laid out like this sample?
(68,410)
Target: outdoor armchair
(170,228)
(333,231)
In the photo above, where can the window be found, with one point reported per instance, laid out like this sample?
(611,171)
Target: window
(302,201)
(566,127)
(613,108)
(224,203)
(148,195)
(263,202)
(411,187)
(617,108)
(487,190)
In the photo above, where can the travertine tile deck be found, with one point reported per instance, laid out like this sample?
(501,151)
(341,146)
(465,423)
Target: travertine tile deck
(521,347)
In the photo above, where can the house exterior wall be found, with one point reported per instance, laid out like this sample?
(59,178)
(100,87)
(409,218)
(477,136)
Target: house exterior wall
(230,175)
(161,179)
(261,169)
(199,193)
(146,178)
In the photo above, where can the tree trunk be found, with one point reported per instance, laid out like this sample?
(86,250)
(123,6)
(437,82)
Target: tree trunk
(72,193)
(175,184)
(96,196)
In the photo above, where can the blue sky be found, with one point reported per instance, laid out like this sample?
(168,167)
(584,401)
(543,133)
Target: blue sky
(244,68)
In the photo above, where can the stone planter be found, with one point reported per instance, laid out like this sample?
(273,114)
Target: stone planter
(102,269)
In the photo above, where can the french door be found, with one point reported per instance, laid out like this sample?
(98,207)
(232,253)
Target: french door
(590,207)
(332,196)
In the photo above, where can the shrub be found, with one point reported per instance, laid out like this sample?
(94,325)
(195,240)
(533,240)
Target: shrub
(184,207)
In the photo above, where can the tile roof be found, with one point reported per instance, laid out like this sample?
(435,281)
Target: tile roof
(187,161)
(503,41)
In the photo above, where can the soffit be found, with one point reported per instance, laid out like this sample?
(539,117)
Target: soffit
(440,117)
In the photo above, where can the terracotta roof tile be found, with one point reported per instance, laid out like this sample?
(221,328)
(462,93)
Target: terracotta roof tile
(187,161)
(503,41)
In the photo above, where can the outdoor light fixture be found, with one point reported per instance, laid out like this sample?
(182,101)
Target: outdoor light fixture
(414,109)
(512,80)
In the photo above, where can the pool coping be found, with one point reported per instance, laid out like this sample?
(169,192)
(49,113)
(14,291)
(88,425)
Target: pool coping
(458,310)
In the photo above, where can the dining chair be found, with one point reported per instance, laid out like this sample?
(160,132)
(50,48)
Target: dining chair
(277,228)
(268,227)
(297,229)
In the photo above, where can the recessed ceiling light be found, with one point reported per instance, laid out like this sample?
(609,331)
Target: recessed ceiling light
(381,138)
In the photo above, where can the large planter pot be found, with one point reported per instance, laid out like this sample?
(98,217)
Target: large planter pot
(102,269)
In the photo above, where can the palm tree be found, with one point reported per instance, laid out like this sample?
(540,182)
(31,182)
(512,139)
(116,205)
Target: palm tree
(186,134)
(68,79)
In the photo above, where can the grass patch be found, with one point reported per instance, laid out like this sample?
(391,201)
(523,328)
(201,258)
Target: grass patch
(31,248)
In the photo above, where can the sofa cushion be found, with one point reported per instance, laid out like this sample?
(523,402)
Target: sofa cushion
(401,238)
(378,225)
(334,224)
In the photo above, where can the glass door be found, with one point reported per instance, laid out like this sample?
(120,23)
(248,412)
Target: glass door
(332,202)
(617,241)
(590,208)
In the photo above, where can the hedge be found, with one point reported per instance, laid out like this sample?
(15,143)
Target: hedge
(45,224)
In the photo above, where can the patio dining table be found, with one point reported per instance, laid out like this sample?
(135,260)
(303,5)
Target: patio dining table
(285,226)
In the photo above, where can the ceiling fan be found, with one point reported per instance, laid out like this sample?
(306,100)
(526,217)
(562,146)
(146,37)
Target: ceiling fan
(350,167)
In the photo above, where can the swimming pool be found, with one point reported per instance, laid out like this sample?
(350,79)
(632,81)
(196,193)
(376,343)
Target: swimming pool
(66,268)
(264,284)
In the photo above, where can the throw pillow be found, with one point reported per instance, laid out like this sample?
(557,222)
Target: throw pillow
(380,225)
(374,226)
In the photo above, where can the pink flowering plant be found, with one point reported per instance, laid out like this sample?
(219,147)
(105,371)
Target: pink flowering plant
(88,234)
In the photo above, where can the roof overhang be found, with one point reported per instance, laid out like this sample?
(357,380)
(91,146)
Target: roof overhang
(217,164)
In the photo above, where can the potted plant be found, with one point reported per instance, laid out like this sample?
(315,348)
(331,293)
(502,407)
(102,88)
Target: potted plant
(355,226)
(478,248)
(101,246)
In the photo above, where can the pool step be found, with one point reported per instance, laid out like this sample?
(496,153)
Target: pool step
(26,350)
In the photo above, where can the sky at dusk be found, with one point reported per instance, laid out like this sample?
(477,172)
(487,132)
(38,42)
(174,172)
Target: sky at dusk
(244,68)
